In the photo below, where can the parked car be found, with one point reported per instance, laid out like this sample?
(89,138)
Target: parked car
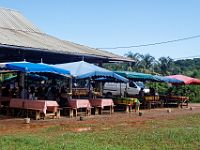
(129,89)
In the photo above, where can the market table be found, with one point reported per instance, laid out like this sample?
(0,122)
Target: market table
(152,100)
(76,104)
(179,100)
(128,103)
(46,107)
(78,92)
(100,103)
(4,101)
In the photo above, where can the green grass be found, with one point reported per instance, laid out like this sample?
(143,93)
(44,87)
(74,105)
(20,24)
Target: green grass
(180,133)
(195,100)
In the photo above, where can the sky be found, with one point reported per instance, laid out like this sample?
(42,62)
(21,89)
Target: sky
(114,23)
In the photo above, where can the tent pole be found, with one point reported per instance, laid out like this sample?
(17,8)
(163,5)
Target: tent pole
(70,88)
(101,88)
(90,92)
(22,78)
(120,89)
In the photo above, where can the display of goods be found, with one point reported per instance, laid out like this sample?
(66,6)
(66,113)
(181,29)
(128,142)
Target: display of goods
(80,92)
(152,98)
(183,98)
(128,101)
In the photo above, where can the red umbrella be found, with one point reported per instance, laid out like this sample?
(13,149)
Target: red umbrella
(187,80)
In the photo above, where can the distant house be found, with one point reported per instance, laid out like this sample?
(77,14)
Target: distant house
(20,39)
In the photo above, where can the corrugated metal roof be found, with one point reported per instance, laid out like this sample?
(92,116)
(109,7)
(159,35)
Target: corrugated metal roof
(11,19)
(16,30)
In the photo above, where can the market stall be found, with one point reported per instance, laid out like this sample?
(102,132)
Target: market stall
(150,99)
(94,75)
(76,105)
(88,72)
(185,80)
(99,105)
(40,108)
(26,100)
(180,100)
(126,103)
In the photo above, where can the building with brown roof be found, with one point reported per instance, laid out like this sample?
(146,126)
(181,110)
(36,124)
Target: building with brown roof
(20,39)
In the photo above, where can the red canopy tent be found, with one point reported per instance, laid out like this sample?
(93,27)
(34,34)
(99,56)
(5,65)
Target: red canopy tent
(187,80)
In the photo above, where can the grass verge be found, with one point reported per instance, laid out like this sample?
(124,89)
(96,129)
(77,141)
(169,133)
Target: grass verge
(180,133)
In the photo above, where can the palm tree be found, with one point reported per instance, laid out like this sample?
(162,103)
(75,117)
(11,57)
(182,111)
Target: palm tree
(137,57)
(166,64)
(147,61)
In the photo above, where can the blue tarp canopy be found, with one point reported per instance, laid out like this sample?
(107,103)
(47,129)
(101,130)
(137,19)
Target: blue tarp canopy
(30,77)
(169,80)
(28,67)
(136,76)
(83,70)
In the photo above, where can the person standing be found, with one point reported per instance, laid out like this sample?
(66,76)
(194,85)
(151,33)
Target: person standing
(137,105)
(141,95)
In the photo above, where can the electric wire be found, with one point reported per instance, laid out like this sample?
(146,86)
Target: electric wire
(152,44)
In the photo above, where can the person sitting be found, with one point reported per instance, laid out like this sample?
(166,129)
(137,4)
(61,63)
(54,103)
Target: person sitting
(40,94)
(24,93)
(63,98)
(32,93)
(51,93)
(152,91)
(14,92)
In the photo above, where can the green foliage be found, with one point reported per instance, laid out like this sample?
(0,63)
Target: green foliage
(164,66)
(5,76)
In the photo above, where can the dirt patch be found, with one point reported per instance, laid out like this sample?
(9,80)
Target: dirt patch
(82,129)
(97,123)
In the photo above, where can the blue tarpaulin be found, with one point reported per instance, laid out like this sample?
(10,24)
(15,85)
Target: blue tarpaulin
(169,80)
(82,70)
(29,76)
(136,76)
(28,67)
(147,77)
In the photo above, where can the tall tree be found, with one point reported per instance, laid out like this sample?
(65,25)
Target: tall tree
(147,61)
(166,64)
(137,58)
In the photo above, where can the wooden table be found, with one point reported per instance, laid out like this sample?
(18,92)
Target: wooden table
(4,101)
(126,103)
(100,103)
(76,104)
(45,107)
(152,100)
(179,100)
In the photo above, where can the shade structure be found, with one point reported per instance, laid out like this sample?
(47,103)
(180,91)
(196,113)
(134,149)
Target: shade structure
(136,76)
(29,76)
(169,80)
(82,70)
(186,80)
(28,67)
